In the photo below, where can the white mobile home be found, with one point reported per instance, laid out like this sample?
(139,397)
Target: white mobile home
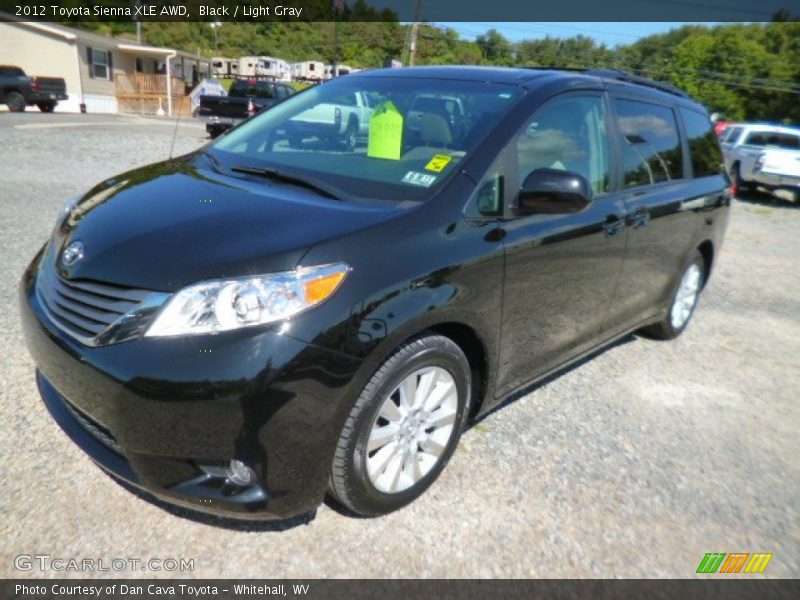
(103,74)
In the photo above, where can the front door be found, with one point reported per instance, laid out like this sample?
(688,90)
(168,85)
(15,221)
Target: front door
(561,270)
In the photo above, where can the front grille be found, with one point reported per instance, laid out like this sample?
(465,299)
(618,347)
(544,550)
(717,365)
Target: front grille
(85,309)
(97,431)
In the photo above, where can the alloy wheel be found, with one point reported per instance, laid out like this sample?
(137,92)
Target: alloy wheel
(412,429)
(686,297)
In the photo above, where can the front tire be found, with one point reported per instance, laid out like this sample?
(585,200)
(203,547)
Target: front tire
(15,101)
(46,107)
(684,301)
(403,428)
(740,184)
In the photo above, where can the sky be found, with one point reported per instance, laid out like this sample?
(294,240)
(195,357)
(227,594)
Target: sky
(610,34)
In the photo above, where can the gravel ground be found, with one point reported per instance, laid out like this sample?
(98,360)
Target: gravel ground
(633,464)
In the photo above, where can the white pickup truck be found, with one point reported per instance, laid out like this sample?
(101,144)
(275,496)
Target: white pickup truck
(779,168)
(344,119)
(762,155)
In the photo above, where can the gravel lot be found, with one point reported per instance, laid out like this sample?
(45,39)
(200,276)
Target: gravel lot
(633,464)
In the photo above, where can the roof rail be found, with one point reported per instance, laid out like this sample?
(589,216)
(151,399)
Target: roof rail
(620,75)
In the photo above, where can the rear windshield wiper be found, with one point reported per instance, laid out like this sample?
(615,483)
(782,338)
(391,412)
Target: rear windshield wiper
(310,183)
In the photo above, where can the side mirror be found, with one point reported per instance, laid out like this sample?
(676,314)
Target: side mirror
(553,192)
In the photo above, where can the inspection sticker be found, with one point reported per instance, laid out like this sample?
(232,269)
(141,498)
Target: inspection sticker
(417,178)
(438,163)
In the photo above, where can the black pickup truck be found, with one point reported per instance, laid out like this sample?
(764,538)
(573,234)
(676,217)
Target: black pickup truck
(17,90)
(245,98)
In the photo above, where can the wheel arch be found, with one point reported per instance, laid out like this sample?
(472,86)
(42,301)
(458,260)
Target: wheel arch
(706,249)
(472,343)
(475,350)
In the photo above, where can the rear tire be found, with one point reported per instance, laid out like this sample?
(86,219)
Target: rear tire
(46,107)
(684,301)
(15,101)
(350,137)
(403,428)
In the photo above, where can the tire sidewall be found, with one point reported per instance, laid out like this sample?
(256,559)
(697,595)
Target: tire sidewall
(15,102)
(696,259)
(351,134)
(370,499)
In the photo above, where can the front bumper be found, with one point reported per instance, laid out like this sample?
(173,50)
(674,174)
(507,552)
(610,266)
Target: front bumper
(157,412)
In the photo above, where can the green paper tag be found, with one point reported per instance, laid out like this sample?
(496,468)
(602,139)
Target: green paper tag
(385,132)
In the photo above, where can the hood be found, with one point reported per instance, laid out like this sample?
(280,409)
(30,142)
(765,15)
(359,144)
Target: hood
(178,222)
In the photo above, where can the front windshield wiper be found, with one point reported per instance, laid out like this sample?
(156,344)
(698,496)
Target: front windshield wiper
(322,188)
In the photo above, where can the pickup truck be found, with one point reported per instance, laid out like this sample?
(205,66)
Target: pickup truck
(746,149)
(779,169)
(343,119)
(245,98)
(18,91)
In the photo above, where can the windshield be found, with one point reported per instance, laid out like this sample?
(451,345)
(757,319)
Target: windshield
(390,138)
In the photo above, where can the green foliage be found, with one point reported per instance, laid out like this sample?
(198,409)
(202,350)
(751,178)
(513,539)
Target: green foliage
(745,71)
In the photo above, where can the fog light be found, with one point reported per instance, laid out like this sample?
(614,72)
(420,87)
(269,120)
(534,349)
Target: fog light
(239,473)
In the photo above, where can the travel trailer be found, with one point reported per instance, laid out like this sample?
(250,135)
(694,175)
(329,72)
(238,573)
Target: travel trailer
(224,67)
(249,65)
(309,70)
(274,67)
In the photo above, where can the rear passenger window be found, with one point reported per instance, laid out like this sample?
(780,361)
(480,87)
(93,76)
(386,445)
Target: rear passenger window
(265,90)
(651,145)
(774,139)
(570,135)
(703,144)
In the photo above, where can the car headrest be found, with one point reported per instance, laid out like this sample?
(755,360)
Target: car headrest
(434,129)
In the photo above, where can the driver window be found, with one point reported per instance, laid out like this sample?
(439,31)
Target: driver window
(568,134)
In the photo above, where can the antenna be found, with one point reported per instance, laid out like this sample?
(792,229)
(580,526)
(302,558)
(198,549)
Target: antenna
(175,129)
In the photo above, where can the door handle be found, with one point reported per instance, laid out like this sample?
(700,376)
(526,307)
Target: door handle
(638,218)
(613,225)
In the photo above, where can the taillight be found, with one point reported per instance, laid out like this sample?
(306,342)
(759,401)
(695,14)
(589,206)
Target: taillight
(251,107)
(35,85)
(759,164)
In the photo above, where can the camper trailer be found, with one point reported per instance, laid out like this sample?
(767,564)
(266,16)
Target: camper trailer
(309,70)
(224,67)
(270,66)
(340,70)
(249,65)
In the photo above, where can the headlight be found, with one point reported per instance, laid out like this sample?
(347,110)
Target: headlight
(227,304)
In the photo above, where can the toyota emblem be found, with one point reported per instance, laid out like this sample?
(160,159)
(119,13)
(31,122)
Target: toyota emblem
(72,254)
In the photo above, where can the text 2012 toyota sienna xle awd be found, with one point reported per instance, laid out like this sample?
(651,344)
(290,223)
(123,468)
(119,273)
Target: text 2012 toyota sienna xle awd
(320,300)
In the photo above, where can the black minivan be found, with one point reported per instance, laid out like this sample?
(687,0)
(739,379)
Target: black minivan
(281,315)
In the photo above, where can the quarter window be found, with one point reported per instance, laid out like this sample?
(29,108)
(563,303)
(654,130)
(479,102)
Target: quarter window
(569,134)
(650,143)
(703,144)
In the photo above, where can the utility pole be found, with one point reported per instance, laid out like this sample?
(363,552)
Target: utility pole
(338,8)
(215,25)
(138,25)
(414,30)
